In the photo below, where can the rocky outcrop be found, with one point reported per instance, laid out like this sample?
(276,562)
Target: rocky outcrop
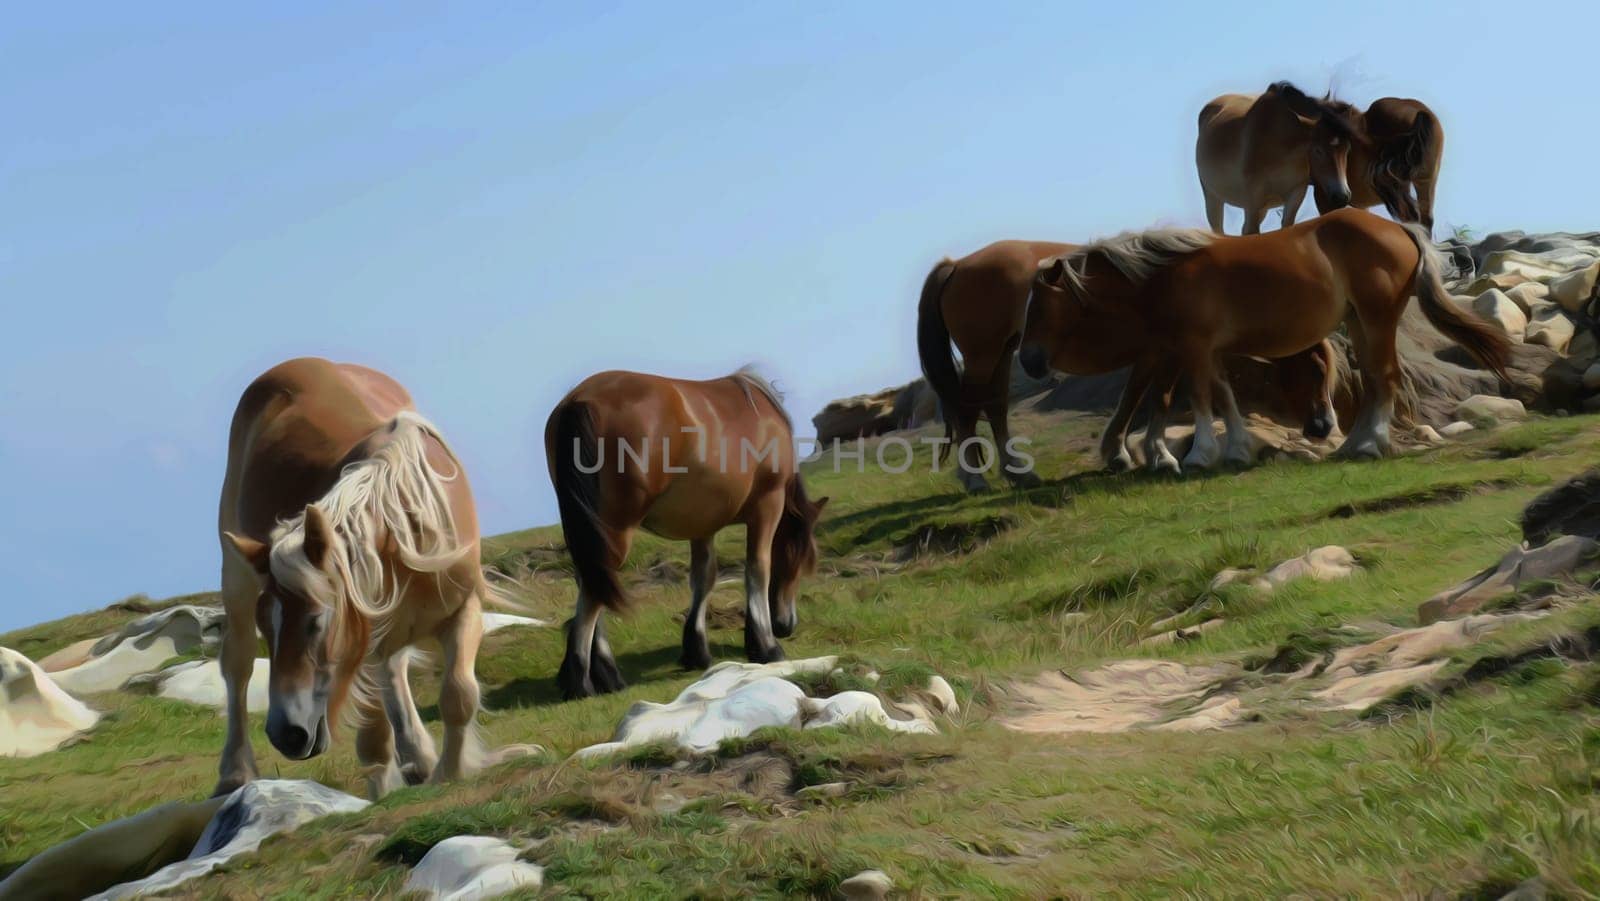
(1561,559)
(1571,508)
(733,700)
(142,646)
(467,867)
(36,716)
(201,682)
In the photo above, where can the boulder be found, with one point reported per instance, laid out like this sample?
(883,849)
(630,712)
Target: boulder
(35,714)
(1500,282)
(1541,267)
(1358,677)
(1558,560)
(1527,295)
(143,645)
(1495,306)
(120,851)
(733,700)
(1551,327)
(1459,427)
(72,655)
(1559,242)
(862,416)
(467,867)
(1487,411)
(200,682)
(1571,508)
(867,885)
(1323,564)
(1584,349)
(249,816)
(1574,290)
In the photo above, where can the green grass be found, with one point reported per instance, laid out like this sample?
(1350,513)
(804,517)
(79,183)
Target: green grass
(1466,792)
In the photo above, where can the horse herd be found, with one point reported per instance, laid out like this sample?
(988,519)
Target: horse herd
(348,526)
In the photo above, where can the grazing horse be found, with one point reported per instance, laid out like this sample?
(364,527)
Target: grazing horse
(978,303)
(349,535)
(682,459)
(1192,296)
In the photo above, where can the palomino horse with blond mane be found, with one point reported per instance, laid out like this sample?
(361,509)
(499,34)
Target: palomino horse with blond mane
(1261,151)
(349,535)
(978,304)
(1195,296)
(682,459)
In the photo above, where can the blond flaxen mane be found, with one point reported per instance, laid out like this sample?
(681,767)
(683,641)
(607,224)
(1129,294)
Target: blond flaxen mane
(1134,254)
(395,498)
(750,380)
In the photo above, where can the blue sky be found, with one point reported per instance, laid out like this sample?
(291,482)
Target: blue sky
(491,202)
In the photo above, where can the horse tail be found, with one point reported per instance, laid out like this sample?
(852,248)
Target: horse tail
(1486,343)
(934,350)
(575,470)
(1397,169)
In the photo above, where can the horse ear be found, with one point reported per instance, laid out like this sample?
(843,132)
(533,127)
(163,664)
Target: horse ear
(319,537)
(1053,271)
(1299,103)
(251,551)
(817,505)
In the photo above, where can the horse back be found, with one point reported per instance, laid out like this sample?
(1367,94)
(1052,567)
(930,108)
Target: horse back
(986,299)
(295,428)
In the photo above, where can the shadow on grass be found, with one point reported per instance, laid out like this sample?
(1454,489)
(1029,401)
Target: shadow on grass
(638,668)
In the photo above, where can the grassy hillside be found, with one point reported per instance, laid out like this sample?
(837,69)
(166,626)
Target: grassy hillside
(1467,793)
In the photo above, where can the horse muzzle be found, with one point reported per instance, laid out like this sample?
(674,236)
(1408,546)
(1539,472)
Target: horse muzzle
(1035,361)
(297,738)
(783,624)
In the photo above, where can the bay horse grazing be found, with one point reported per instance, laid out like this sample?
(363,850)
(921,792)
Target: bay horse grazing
(1393,150)
(1196,296)
(682,459)
(349,534)
(979,303)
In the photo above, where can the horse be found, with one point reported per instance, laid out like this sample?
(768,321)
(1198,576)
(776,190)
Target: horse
(1191,295)
(1393,148)
(349,535)
(1256,151)
(978,304)
(727,456)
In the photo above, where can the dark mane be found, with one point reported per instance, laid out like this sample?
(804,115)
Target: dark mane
(794,545)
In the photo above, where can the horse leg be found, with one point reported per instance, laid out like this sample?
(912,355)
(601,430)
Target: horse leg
(1236,451)
(375,743)
(576,678)
(760,646)
(970,464)
(458,696)
(702,575)
(1113,441)
(1157,456)
(414,746)
(1203,454)
(1292,204)
(1214,210)
(1324,417)
(1380,376)
(1017,472)
(1253,215)
(603,670)
(238,660)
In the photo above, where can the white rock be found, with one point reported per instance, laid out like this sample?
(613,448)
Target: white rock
(1574,289)
(1459,427)
(1323,564)
(733,700)
(1485,409)
(867,885)
(1533,266)
(1528,295)
(143,645)
(493,622)
(1499,309)
(943,694)
(35,714)
(468,867)
(261,809)
(201,682)
(1426,434)
(1550,327)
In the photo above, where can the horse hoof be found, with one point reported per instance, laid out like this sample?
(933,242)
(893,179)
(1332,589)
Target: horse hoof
(1024,480)
(975,484)
(1168,466)
(697,660)
(575,690)
(769,655)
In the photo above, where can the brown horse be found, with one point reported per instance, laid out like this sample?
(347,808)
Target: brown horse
(349,535)
(726,455)
(978,303)
(1257,151)
(1392,150)
(1193,296)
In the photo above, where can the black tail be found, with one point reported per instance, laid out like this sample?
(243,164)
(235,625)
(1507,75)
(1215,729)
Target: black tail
(1399,166)
(578,495)
(934,350)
